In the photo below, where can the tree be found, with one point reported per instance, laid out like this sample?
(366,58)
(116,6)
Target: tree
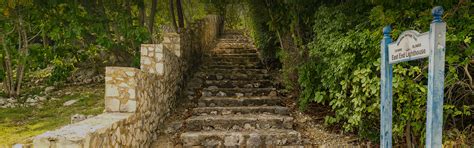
(14,17)
(141,13)
(173,17)
(180,14)
(152,19)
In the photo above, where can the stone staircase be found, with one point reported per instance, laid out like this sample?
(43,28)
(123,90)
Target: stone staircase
(237,101)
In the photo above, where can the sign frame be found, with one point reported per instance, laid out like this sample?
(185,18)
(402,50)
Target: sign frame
(434,112)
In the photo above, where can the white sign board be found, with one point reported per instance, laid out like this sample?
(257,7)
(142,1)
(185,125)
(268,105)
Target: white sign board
(411,45)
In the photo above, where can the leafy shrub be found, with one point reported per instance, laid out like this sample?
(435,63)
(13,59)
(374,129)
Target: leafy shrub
(344,66)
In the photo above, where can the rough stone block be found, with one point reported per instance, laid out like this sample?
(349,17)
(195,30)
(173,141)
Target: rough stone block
(120,88)
(112,105)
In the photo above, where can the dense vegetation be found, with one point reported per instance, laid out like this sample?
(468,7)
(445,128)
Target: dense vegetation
(66,35)
(330,54)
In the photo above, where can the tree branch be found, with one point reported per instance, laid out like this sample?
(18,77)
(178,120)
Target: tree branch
(466,71)
(35,36)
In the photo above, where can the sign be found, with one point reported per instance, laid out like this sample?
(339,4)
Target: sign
(411,45)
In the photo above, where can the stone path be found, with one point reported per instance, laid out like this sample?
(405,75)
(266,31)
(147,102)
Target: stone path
(239,105)
(236,103)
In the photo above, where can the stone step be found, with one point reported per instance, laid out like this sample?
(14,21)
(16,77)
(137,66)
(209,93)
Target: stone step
(232,75)
(240,83)
(234,45)
(234,41)
(239,101)
(213,66)
(233,55)
(254,138)
(236,122)
(239,92)
(241,110)
(234,38)
(214,63)
(234,71)
(234,59)
(210,62)
(232,50)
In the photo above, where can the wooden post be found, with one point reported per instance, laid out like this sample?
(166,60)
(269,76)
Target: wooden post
(434,114)
(386,92)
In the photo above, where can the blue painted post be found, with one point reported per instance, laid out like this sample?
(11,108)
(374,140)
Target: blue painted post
(386,92)
(434,114)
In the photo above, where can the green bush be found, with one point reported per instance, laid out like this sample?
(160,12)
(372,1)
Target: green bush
(344,67)
(338,60)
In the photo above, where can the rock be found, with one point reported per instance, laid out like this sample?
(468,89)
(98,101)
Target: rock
(256,85)
(221,94)
(41,98)
(31,100)
(212,105)
(12,100)
(236,127)
(226,112)
(201,104)
(219,77)
(2,101)
(206,94)
(213,112)
(213,88)
(211,143)
(232,140)
(206,128)
(248,126)
(173,127)
(248,85)
(77,118)
(88,80)
(49,89)
(254,140)
(239,94)
(70,102)
(272,93)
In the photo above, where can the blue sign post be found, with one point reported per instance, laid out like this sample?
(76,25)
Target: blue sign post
(412,45)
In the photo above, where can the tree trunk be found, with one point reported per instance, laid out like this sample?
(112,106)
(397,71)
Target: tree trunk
(8,69)
(180,14)
(23,57)
(141,12)
(152,19)
(173,18)
(187,16)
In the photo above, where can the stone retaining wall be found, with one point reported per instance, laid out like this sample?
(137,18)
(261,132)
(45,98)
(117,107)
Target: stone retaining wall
(138,100)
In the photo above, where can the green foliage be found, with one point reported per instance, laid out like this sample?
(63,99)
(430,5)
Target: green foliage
(338,59)
(60,71)
(345,66)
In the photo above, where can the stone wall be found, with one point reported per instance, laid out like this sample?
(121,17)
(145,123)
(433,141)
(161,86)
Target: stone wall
(137,100)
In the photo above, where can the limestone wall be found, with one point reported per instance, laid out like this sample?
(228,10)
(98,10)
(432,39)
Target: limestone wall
(136,100)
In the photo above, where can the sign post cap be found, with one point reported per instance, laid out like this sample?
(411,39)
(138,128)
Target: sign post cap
(437,12)
(386,30)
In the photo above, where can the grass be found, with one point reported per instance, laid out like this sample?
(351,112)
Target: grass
(21,123)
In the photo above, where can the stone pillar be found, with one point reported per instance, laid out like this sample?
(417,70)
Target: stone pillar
(151,60)
(120,89)
(172,42)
